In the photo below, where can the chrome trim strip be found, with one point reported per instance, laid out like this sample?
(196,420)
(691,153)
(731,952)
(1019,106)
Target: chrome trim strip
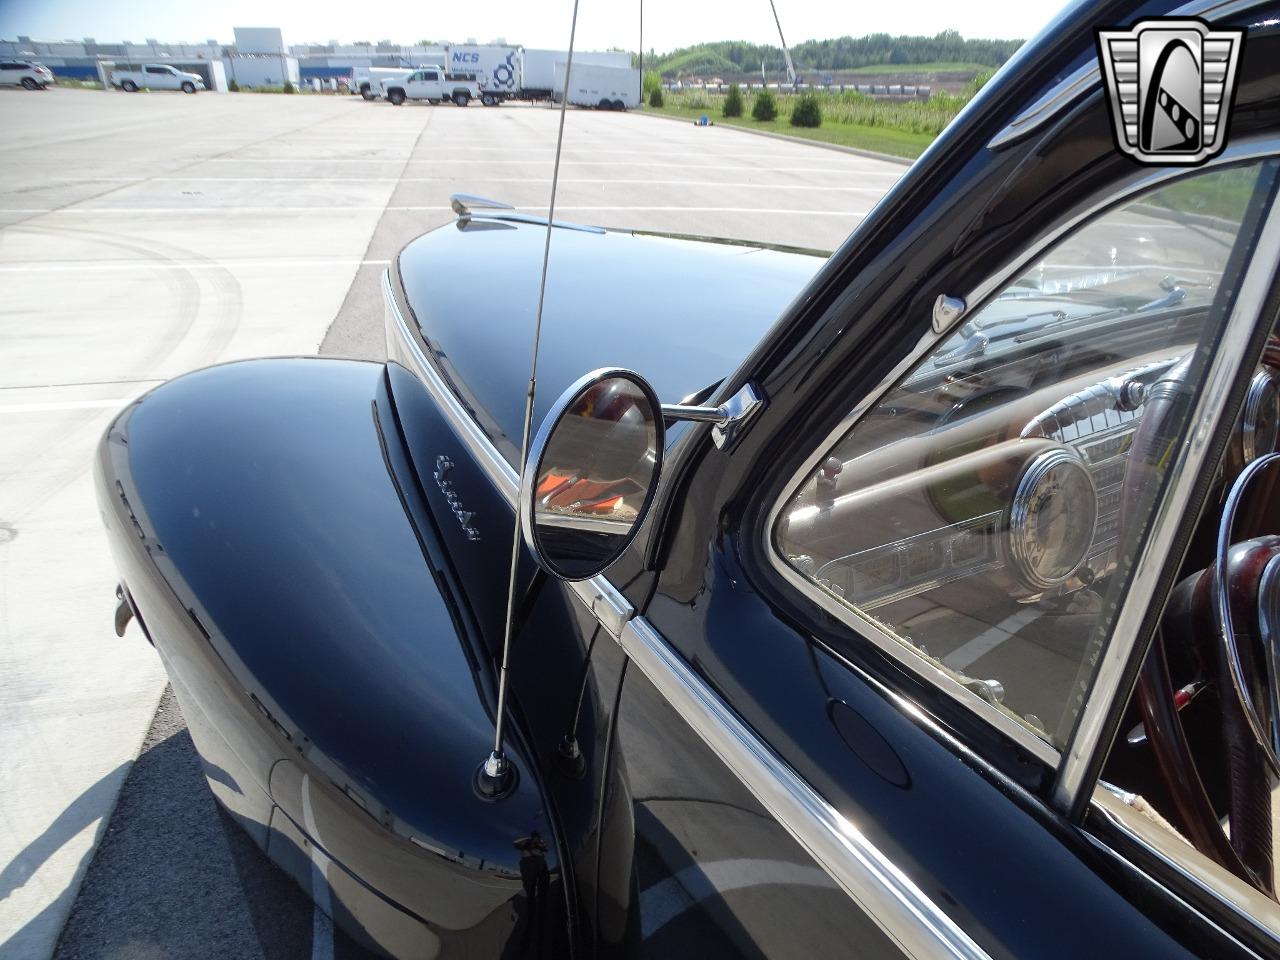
(1084,78)
(598,595)
(495,466)
(604,601)
(1075,84)
(1259,910)
(1140,181)
(464,203)
(877,885)
(1225,367)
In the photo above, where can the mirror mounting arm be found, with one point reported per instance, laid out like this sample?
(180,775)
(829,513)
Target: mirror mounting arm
(729,418)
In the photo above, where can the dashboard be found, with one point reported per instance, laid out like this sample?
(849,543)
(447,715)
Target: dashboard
(976,499)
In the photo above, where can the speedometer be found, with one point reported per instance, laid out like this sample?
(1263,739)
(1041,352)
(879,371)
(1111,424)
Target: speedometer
(1051,519)
(1261,423)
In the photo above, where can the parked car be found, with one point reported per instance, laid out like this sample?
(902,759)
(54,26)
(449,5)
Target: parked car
(367,81)
(156,76)
(26,73)
(431,84)
(920,601)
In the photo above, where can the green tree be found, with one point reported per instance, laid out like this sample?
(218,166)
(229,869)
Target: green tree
(766,106)
(807,112)
(733,101)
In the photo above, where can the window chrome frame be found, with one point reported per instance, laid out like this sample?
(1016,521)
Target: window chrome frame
(1070,764)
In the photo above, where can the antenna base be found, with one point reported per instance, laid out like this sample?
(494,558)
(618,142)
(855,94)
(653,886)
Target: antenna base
(569,757)
(495,779)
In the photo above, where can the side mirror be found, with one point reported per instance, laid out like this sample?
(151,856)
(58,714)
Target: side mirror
(592,472)
(593,468)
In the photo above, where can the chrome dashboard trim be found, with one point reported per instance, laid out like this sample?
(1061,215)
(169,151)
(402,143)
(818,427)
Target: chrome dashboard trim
(1139,182)
(598,595)
(917,925)
(1115,806)
(1227,364)
(1020,515)
(1263,384)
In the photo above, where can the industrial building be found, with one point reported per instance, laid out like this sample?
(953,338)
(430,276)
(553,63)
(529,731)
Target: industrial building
(258,57)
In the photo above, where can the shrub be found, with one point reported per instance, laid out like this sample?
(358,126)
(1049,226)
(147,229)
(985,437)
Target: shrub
(733,101)
(655,97)
(806,112)
(289,87)
(766,106)
(652,82)
(233,87)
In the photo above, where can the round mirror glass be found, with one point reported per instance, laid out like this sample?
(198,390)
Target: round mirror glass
(592,471)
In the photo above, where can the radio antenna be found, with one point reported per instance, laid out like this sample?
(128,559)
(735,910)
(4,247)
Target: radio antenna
(496,777)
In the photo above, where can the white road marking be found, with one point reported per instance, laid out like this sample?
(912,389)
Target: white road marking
(567,181)
(255,211)
(80,266)
(516,156)
(321,925)
(668,898)
(964,655)
(116,403)
(893,174)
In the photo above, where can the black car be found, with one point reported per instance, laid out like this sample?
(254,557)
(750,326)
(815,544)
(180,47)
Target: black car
(922,601)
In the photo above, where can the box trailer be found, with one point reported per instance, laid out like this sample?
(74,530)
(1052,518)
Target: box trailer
(497,69)
(539,75)
(603,87)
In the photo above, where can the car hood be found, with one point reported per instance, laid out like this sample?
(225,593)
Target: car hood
(680,311)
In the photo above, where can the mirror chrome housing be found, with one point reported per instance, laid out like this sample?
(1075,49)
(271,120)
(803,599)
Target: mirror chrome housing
(594,465)
(591,474)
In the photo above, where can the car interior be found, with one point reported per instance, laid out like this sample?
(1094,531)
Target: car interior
(986,512)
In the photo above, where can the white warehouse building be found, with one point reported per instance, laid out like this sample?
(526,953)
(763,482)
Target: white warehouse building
(259,56)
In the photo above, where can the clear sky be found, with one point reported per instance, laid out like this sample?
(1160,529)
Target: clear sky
(533,23)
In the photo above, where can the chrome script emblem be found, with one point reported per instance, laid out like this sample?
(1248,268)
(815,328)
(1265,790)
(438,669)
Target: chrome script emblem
(443,466)
(1170,84)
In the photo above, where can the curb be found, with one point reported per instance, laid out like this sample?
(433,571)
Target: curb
(839,148)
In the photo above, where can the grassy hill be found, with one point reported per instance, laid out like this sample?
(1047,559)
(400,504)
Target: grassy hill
(945,52)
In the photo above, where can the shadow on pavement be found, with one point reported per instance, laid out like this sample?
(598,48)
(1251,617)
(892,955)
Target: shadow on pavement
(175,876)
(81,813)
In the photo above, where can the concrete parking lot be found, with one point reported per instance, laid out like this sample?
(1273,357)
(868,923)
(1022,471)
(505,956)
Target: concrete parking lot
(145,235)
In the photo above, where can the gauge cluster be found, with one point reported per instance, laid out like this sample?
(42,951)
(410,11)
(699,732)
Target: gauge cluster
(1053,521)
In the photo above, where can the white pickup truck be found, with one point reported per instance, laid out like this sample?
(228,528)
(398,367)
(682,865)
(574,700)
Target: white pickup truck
(432,84)
(156,76)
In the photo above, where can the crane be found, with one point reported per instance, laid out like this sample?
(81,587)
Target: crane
(786,54)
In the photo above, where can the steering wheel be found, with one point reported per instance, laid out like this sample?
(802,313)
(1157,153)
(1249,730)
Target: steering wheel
(1228,617)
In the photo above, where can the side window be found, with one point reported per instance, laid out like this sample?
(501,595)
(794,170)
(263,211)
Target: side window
(984,512)
(432,75)
(156,70)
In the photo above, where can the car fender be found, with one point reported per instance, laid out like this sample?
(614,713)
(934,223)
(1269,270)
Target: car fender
(270,534)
